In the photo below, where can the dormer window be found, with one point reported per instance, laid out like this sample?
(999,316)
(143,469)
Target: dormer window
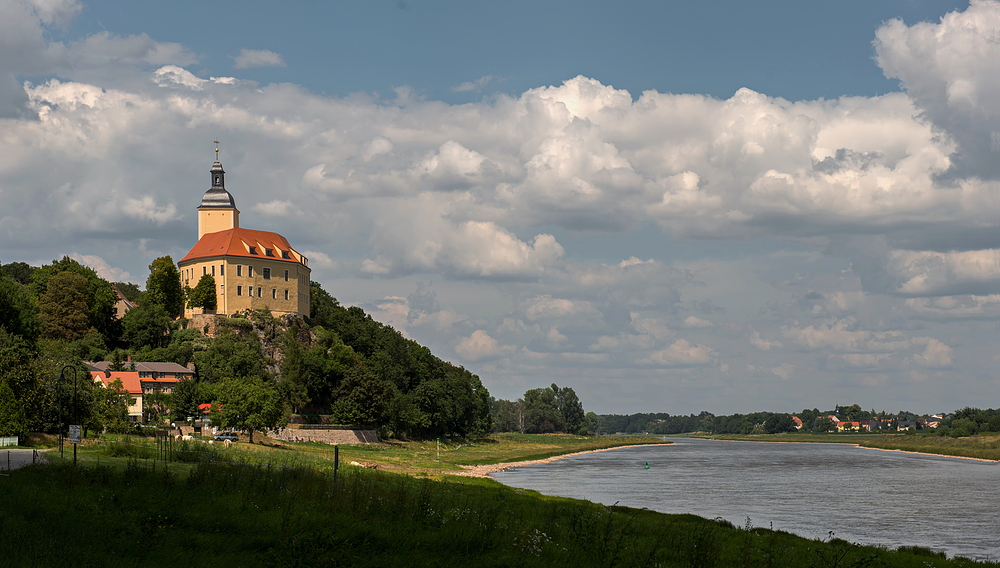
(253,250)
(268,252)
(285,255)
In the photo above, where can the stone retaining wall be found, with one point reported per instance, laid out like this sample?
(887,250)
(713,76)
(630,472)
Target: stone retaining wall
(326,436)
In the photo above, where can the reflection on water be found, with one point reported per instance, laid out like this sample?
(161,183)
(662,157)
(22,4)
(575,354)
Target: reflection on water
(862,495)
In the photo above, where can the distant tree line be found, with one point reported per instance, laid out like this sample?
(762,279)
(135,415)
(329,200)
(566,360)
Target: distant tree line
(541,411)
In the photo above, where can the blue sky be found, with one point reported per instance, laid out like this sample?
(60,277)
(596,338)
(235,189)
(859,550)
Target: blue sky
(723,206)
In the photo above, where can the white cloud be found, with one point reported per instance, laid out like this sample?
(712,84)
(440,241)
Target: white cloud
(695,322)
(276,208)
(480,346)
(248,58)
(102,267)
(844,335)
(679,354)
(936,354)
(476,85)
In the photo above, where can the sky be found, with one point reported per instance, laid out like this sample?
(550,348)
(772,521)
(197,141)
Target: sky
(668,206)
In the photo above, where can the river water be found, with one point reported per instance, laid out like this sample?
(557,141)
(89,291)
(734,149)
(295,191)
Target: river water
(862,495)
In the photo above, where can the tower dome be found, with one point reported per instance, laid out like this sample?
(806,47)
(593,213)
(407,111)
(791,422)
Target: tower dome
(217,196)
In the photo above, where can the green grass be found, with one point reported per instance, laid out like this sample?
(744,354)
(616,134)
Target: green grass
(251,515)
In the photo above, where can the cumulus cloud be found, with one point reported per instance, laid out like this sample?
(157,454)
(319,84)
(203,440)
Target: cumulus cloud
(480,346)
(102,267)
(936,354)
(248,58)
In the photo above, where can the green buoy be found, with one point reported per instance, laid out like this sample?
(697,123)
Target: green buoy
(647,466)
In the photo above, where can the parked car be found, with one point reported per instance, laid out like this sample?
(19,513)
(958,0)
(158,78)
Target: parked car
(223,436)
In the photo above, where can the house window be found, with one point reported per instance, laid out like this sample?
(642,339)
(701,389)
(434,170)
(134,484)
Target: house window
(260,291)
(222,270)
(286,276)
(213,270)
(266,273)
(250,271)
(274,294)
(285,255)
(239,270)
(204,270)
(268,252)
(239,290)
(253,250)
(286,294)
(250,291)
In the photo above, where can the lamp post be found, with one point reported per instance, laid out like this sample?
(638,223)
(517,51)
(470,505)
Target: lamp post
(62,377)
(55,392)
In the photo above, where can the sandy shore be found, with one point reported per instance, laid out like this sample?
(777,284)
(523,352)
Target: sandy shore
(486,470)
(928,454)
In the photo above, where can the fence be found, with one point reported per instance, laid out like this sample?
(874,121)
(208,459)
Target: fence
(20,459)
(8,441)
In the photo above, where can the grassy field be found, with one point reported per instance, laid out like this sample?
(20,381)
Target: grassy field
(984,446)
(426,459)
(250,515)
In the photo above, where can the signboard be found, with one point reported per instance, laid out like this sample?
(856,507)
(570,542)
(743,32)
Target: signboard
(74,434)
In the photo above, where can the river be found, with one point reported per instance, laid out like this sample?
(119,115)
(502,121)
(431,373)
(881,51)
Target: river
(862,495)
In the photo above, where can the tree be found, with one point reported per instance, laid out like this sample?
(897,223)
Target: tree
(249,405)
(571,409)
(19,272)
(147,325)
(18,313)
(100,295)
(203,295)
(63,307)
(163,286)
(541,412)
(12,418)
(112,406)
(130,290)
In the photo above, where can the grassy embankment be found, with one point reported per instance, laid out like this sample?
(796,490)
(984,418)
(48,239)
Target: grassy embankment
(249,515)
(983,446)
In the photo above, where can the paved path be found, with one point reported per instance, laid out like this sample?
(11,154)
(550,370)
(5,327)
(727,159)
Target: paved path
(13,459)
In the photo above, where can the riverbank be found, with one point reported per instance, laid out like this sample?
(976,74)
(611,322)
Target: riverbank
(984,447)
(486,470)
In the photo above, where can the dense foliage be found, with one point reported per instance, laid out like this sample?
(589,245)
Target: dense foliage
(541,411)
(338,366)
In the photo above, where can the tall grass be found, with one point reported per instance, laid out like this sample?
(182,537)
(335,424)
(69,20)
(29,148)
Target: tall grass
(249,515)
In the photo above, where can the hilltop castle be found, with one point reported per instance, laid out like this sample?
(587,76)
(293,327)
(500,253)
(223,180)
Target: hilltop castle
(252,269)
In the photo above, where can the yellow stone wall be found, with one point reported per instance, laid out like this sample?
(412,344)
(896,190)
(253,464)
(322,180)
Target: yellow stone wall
(233,281)
(211,220)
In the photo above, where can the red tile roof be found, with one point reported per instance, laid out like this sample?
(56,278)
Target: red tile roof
(235,242)
(130,379)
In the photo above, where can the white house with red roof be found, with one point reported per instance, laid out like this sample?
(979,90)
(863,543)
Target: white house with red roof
(147,379)
(252,269)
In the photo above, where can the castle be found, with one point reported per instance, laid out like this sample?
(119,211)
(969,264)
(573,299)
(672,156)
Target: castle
(252,269)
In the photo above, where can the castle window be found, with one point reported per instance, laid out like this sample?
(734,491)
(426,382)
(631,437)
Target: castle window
(286,278)
(274,294)
(266,273)
(213,270)
(285,255)
(260,291)
(222,270)
(216,180)
(286,294)
(239,270)
(268,252)
(239,290)
(250,271)
(253,250)
(204,270)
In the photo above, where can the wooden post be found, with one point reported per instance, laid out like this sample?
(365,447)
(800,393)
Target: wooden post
(336,463)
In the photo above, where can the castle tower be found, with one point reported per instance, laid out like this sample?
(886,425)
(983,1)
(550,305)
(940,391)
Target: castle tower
(217,211)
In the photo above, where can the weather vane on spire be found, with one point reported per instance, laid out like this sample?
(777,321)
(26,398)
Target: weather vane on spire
(216,150)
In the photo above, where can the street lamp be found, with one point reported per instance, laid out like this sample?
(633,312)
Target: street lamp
(62,377)
(55,393)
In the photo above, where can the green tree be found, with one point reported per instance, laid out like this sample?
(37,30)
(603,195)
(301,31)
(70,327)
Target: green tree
(18,312)
(203,295)
(19,272)
(163,286)
(232,354)
(147,325)
(541,412)
(249,405)
(112,406)
(12,418)
(187,396)
(100,296)
(63,307)
(571,409)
